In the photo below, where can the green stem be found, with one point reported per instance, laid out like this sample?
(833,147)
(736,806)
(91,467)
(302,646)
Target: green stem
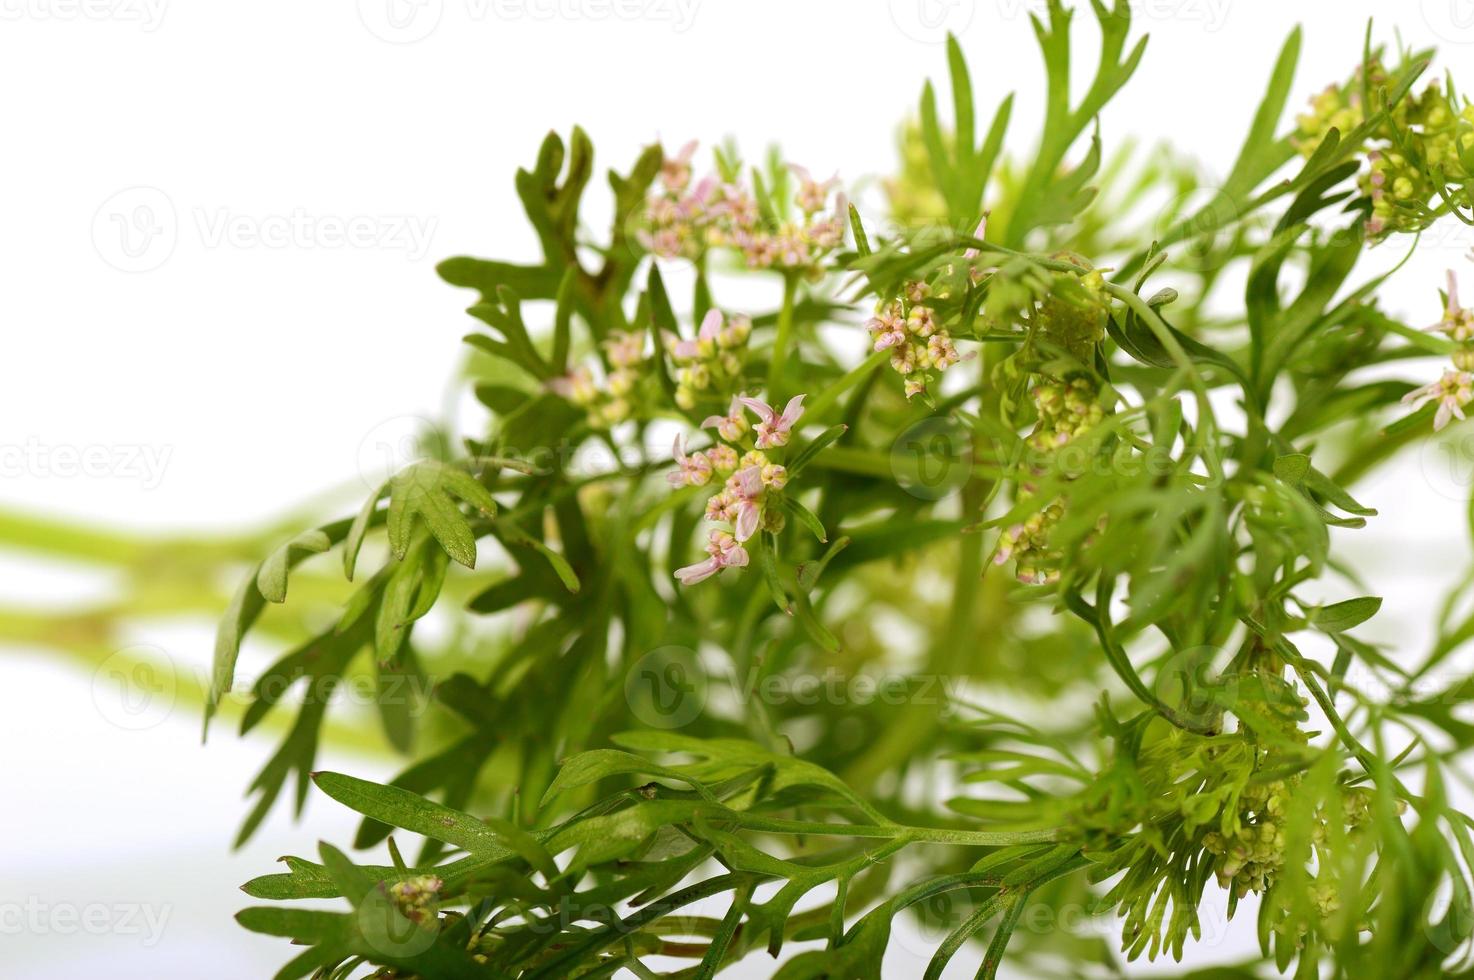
(950,653)
(857,374)
(922,835)
(778,363)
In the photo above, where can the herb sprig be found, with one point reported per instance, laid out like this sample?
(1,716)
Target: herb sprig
(1048,468)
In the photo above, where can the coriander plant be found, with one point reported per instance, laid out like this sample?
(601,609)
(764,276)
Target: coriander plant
(822,579)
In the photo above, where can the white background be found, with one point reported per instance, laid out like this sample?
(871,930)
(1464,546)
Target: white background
(154,150)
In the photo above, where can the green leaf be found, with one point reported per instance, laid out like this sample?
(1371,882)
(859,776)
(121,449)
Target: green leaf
(862,241)
(424,490)
(590,767)
(359,528)
(1292,468)
(813,448)
(410,593)
(245,607)
(271,578)
(563,321)
(352,883)
(1341,616)
(409,811)
(514,537)
(502,399)
(322,662)
(767,556)
(807,518)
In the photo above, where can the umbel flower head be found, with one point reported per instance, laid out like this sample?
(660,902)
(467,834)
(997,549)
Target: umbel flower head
(724,552)
(773,429)
(1421,135)
(690,471)
(415,897)
(711,363)
(1456,388)
(920,349)
(1451,393)
(684,220)
(746,502)
(1457,323)
(612,395)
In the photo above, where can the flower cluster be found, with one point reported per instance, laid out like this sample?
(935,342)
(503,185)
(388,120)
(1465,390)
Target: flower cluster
(612,400)
(750,480)
(1252,855)
(415,897)
(1456,388)
(1424,134)
(683,220)
(1067,410)
(1027,542)
(1076,323)
(1250,846)
(713,361)
(1335,108)
(908,328)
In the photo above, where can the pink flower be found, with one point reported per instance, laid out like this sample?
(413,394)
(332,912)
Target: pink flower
(732,426)
(716,506)
(812,193)
(723,458)
(694,471)
(903,359)
(681,350)
(773,429)
(828,232)
(887,327)
(625,349)
(693,205)
(725,552)
(735,333)
(711,326)
(706,337)
(576,386)
(1452,392)
(675,171)
(1457,322)
(941,352)
(744,500)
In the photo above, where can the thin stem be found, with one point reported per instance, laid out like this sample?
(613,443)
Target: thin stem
(778,363)
(853,377)
(922,835)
